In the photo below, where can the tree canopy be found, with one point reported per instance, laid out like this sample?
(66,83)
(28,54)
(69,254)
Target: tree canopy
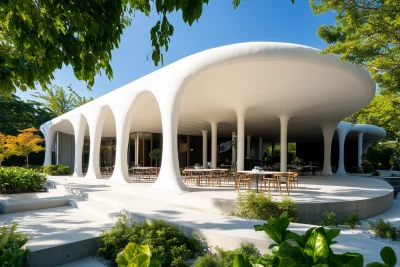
(60,101)
(367,33)
(38,37)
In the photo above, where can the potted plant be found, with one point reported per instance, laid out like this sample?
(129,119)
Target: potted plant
(155,154)
(197,165)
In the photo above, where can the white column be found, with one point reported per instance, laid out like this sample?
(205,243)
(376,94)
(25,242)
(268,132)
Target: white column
(49,135)
(284,127)
(240,140)
(95,121)
(360,148)
(169,178)
(214,149)
(204,148)
(248,146)
(260,148)
(327,130)
(79,124)
(233,149)
(366,145)
(342,139)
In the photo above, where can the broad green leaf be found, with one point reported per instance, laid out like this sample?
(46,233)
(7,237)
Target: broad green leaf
(121,260)
(375,264)
(295,237)
(241,261)
(389,256)
(284,215)
(316,247)
(286,250)
(331,234)
(287,262)
(140,260)
(154,263)
(258,227)
(273,233)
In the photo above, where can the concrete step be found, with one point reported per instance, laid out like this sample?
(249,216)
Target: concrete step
(86,262)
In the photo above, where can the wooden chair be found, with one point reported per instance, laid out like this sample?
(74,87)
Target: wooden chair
(188,178)
(213,176)
(242,178)
(268,180)
(294,179)
(281,178)
(225,176)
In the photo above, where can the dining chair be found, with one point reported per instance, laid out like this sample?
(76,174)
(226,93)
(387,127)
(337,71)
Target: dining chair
(188,178)
(213,176)
(241,178)
(281,178)
(294,179)
(266,179)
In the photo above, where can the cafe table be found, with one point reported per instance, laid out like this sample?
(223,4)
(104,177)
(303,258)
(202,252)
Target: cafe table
(200,171)
(258,173)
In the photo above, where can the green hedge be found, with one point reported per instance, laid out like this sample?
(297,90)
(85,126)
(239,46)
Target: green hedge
(20,180)
(57,169)
(12,253)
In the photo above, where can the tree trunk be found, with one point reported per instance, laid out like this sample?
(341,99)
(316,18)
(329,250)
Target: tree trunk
(27,161)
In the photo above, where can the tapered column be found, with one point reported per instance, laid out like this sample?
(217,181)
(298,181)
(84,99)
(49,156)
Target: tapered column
(327,130)
(233,148)
(260,148)
(169,178)
(366,145)
(342,140)
(284,127)
(204,148)
(240,141)
(79,125)
(249,147)
(49,139)
(360,148)
(214,149)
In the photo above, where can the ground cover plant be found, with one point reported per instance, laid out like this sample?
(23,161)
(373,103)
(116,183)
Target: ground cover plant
(20,180)
(384,229)
(262,206)
(57,169)
(167,243)
(351,221)
(329,219)
(12,253)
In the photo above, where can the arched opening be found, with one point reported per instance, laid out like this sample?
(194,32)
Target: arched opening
(63,145)
(145,139)
(86,148)
(108,143)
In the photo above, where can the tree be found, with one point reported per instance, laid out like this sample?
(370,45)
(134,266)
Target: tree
(59,101)
(4,150)
(25,143)
(155,154)
(367,33)
(19,114)
(38,37)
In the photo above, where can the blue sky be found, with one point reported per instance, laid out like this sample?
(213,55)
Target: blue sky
(254,20)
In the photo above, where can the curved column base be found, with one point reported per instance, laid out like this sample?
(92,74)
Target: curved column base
(119,177)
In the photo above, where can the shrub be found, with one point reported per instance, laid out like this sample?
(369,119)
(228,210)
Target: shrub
(367,167)
(169,245)
(35,168)
(329,219)
(57,169)
(20,180)
(225,258)
(375,173)
(384,229)
(355,169)
(352,220)
(261,206)
(11,252)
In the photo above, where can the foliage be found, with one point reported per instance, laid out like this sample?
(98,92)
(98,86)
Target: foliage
(4,150)
(57,169)
(388,256)
(384,229)
(155,154)
(12,253)
(20,180)
(366,33)
(25,143)
(355,169)
(16,114)
(225,258)
(292,250)
(329,219)
(40,37)
(375,173)
(351,221)
(136,256)
(367,167)
(59,101)
(169,245)
(261,206)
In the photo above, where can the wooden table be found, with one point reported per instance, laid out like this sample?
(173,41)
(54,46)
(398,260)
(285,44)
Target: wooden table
(141,169)
(199,171)
(258,173)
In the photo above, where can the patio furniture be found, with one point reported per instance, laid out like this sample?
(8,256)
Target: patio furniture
(188,178)
(267,179)
(294,179)
(242,179)
(281,178)
(202,174)
(213,176)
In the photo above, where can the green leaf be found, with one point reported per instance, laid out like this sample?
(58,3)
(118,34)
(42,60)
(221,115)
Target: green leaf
(273,233)
(316,247)
(241,261)
(286,262)
(286,250)
(389,256)
(284,215)
(375,264)
(155,263)
(140,260)
(121,260)
(259,227)
(331,234)
(295,237)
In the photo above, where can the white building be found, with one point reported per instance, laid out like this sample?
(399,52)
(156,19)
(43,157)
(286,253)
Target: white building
(264,92)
